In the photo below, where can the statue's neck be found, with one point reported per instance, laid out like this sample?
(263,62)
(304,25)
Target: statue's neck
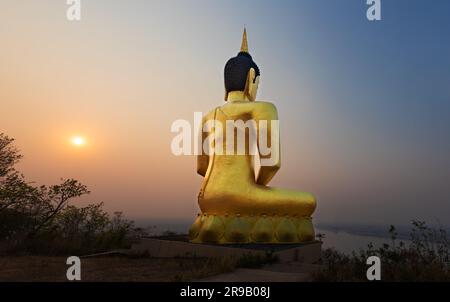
(237,96)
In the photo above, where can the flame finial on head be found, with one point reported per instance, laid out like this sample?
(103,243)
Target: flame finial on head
(244,45)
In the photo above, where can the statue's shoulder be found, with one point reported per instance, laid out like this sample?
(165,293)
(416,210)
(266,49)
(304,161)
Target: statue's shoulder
(266,106)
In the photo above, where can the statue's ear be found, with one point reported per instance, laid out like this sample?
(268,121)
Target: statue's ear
(250,78)
(251,75)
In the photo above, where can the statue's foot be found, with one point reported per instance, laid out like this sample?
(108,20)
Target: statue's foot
(227,229)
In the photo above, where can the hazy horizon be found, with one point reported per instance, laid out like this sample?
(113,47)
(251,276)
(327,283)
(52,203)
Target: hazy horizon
(364,106)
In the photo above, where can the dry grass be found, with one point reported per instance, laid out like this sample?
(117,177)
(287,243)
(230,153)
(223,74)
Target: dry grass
(425,259)
(110,269)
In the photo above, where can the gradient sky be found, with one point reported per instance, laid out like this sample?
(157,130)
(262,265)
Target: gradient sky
(364,106)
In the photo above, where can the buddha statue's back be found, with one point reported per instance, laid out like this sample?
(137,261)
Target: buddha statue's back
(237,204)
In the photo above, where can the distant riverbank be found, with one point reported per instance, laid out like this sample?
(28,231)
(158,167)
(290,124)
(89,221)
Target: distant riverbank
(344,238)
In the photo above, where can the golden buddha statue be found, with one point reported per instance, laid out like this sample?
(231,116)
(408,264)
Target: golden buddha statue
(237,205)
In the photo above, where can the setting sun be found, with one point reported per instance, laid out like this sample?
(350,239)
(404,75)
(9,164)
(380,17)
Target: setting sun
(78,141)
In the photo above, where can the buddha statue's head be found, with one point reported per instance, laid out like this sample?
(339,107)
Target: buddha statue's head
(242,74)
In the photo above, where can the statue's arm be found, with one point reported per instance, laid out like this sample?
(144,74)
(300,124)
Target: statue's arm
(202,164)
(202,158)
(268,112)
